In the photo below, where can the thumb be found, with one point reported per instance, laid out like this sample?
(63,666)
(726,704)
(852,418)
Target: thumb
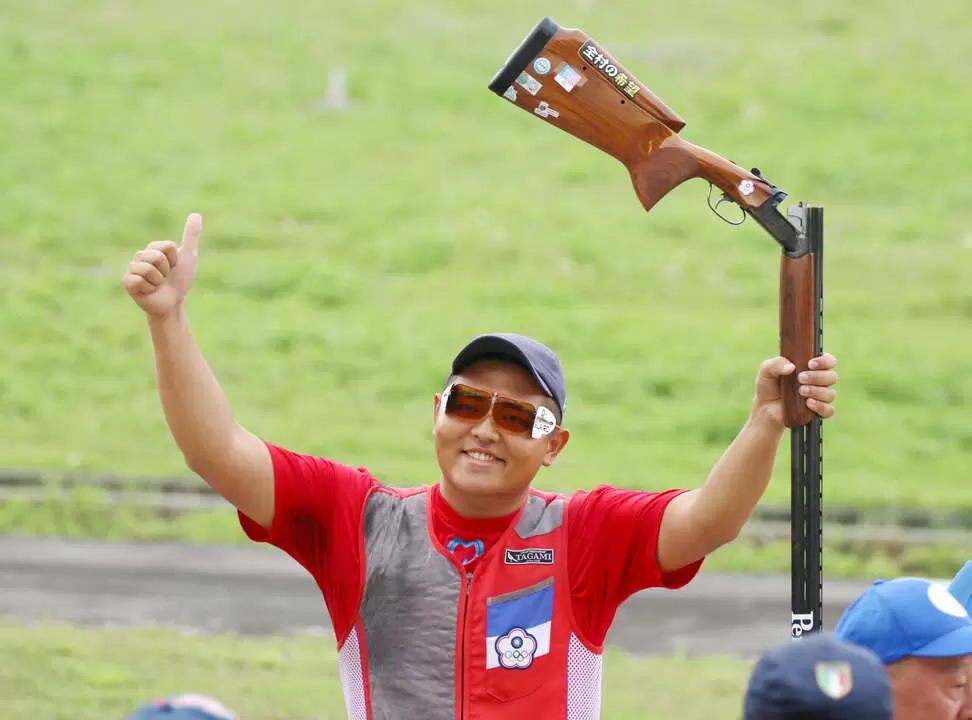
(775,367)
(191,233)
(768,381)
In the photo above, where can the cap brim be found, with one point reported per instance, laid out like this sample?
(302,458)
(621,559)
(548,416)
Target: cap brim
(487,345)
(956,643)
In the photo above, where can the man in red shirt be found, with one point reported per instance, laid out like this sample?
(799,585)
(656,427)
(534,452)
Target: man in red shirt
(475,596)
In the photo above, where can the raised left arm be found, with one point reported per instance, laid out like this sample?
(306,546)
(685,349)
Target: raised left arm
(700,521)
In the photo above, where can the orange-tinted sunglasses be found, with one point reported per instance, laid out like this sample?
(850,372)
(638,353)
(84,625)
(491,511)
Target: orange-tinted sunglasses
(515,416)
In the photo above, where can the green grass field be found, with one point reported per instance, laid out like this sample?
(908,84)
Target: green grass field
(67,673)
(347,255)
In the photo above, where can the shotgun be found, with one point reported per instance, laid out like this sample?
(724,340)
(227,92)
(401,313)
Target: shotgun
(567,79)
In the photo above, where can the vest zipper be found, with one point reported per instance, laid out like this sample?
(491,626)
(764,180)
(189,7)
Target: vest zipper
(462,647)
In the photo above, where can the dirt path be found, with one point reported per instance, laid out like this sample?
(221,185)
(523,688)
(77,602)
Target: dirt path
(257,590)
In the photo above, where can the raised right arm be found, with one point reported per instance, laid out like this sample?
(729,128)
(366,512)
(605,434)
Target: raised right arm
(232,460)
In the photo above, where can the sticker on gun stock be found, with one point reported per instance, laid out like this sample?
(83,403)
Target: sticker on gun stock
(608,67)
(545,111)
(568,78)
(529,83)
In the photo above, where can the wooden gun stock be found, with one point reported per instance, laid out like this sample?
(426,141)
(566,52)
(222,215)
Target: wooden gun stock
(564,77)
(658,171)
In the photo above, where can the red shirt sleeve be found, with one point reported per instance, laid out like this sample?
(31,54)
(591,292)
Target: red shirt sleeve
(318,505)
(612,548)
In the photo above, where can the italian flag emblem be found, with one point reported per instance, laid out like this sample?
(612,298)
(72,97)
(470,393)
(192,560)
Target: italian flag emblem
(834,679)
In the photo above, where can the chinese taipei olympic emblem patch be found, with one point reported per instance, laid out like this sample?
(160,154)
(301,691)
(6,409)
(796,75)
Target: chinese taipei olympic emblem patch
(516,649)
(518,629)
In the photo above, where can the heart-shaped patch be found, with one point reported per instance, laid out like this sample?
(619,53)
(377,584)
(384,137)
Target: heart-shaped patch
(465,552)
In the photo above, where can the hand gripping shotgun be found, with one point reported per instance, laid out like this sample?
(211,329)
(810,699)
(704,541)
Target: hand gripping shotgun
(567,79)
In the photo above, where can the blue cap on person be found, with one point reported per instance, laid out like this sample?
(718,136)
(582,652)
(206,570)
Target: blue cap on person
(961,586)
(907,617)
(821,677)
(541,361)
(185,706)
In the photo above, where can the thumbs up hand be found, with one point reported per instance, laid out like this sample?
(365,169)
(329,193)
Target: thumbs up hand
(159,277)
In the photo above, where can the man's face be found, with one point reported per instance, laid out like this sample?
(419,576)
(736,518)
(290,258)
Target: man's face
(488,468)
(966,712)
(931,688)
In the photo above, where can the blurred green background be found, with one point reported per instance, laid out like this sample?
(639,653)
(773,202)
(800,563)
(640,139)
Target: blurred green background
(370,206)
(348,253)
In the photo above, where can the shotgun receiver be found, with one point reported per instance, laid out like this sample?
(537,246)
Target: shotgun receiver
(564,77)
(567,79)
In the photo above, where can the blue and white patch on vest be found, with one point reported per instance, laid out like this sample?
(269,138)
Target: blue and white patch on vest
(518,629)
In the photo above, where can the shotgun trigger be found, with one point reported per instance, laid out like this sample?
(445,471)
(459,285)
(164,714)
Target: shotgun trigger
(725,198)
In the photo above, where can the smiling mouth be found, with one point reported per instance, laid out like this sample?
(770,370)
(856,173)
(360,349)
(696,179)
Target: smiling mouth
(481,457)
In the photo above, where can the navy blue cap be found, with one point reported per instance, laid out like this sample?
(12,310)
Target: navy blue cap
(185,706)
(821,677)
(541,361)
(907,617)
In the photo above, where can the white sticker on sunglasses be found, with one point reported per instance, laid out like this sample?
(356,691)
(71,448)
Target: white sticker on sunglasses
(543,423)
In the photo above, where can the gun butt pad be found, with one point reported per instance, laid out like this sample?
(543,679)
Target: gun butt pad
(535,41)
